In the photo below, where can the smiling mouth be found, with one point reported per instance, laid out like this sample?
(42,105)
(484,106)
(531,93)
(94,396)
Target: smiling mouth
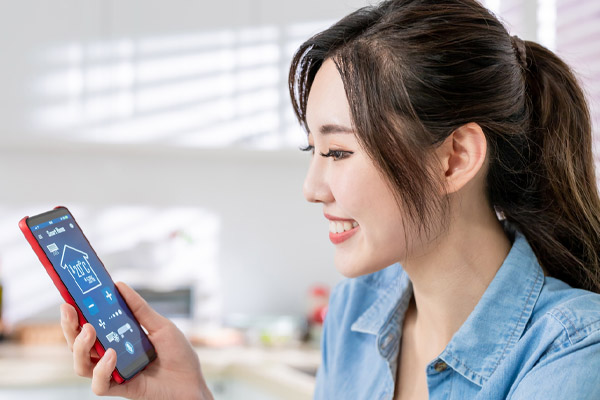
(340,231)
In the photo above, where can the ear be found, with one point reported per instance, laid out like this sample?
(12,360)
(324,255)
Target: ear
(462,155)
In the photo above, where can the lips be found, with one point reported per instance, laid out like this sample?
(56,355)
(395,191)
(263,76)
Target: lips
(341,229)
(337,238)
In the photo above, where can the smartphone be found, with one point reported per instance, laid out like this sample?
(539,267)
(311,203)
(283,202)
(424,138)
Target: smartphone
(84,283)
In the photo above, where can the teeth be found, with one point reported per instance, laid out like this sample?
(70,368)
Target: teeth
(341,226)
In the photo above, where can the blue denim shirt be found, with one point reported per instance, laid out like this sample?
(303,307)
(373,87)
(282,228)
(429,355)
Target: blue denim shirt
(529,337)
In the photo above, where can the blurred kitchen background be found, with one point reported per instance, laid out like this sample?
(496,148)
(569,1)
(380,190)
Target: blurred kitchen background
(166,128)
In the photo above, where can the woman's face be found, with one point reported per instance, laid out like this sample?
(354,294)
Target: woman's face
(365,222)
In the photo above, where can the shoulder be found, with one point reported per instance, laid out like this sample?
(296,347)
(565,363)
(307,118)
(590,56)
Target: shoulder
(575,312)
(563,335)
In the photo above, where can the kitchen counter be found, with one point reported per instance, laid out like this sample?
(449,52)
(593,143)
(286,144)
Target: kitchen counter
(286,373)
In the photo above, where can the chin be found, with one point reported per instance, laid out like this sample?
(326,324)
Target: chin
(354,269)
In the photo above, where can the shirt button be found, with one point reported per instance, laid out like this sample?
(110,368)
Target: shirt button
(440,366)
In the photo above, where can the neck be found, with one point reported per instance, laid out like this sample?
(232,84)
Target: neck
(449,280)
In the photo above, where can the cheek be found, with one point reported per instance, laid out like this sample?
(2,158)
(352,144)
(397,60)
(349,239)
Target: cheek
(381,218)
(362,193)
(351,189)
(385,218)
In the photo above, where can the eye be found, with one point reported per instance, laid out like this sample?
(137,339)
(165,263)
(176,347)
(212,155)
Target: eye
(337,154)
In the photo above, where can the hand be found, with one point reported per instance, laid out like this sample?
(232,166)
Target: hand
(175,374)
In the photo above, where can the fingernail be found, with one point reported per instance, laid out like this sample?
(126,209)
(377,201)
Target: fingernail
(63,314)
(85,331)
(108,356)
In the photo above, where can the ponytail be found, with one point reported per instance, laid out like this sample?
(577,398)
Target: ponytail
(562,220)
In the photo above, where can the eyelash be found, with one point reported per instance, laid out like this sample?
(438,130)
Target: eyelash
(337,155)
(308,147)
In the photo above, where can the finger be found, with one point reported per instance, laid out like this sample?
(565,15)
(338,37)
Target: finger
(146,316)
(69,324)
(82,347)
(101,378)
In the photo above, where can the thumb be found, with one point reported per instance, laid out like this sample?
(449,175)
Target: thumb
(145,315)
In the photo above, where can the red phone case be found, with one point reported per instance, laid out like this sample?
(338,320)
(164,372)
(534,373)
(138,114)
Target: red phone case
(61,287)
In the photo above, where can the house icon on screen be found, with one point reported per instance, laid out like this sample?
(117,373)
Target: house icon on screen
(77,263)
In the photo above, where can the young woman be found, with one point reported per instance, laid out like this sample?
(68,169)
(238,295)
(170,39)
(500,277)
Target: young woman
(454,165)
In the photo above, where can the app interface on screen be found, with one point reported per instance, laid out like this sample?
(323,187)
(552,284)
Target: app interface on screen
(93,290)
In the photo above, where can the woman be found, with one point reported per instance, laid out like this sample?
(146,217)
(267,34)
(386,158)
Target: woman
(443,145)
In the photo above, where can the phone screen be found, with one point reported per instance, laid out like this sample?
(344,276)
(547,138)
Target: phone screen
(92,288)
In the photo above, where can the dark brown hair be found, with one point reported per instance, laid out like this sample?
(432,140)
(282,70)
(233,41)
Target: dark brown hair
(416,70)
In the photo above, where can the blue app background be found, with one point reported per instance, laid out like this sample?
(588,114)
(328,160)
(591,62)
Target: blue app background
(93,290)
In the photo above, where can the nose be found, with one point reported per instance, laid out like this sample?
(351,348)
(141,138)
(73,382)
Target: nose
(316,186)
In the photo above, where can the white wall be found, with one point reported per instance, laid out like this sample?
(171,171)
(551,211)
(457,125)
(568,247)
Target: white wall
(103,71)
(271,245)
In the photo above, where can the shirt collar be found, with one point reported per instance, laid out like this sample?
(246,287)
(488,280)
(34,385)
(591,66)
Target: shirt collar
(500,316)
(394,290)
(490,331)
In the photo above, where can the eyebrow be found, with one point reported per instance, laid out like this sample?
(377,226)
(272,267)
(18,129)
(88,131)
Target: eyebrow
(334,128)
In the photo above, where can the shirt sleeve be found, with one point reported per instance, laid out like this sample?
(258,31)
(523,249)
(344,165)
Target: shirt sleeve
(570,372)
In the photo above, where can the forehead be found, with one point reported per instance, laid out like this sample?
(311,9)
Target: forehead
(327,103)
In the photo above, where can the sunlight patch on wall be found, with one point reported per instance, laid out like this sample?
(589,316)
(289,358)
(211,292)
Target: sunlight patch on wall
(546,29)
(205,89)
